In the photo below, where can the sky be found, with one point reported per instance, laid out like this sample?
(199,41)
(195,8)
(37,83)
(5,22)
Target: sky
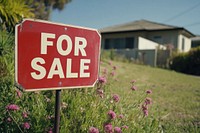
(103,13)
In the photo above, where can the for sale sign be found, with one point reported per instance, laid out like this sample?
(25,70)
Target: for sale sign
(55,56)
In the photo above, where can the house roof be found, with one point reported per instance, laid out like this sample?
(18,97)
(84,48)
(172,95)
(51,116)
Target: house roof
(142,25)
(196,38)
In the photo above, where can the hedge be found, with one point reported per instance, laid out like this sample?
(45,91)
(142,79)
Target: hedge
(188,63)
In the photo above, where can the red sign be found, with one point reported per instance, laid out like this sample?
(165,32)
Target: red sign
(55,56)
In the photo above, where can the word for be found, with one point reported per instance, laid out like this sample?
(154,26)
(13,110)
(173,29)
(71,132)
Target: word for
(77,49)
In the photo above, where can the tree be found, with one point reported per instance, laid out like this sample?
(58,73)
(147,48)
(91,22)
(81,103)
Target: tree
(43,8)
(12,12)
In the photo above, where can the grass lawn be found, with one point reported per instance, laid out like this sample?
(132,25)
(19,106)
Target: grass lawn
(176,96)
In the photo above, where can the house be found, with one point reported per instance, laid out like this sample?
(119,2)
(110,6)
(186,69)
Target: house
(195,41)
(141,39)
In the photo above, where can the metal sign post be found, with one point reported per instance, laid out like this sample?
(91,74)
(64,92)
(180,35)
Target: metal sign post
(57,112)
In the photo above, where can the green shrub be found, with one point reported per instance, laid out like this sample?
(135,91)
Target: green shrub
(194,61)
(188,63)
(6,55)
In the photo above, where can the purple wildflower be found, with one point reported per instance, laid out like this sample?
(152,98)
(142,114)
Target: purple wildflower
(111,114)
(93,130)
(9,119)
(134,88)
(112,73)
(19,94)
(50,130)
(102,80)
(26,125)
(144,107)
(100,92)
(116,98)
(117,130)
(148,101)
(121,116)
(146,113)
(25,115)
(108,128)
(114,67)
(12,107)
(149,91)
(125,127)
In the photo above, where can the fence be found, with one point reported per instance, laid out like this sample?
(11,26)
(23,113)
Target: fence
(152,57)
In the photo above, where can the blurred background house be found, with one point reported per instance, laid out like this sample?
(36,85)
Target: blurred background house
(146,41)
(195,41)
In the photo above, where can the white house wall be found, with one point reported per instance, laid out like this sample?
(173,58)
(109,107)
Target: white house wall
(145,44)
(186,43)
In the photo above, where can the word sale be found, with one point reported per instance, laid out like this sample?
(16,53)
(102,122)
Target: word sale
(78,49)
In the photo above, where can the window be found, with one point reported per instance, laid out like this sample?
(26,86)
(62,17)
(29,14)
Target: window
(183,44)
(130,42)
(119,43)
(107,44)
